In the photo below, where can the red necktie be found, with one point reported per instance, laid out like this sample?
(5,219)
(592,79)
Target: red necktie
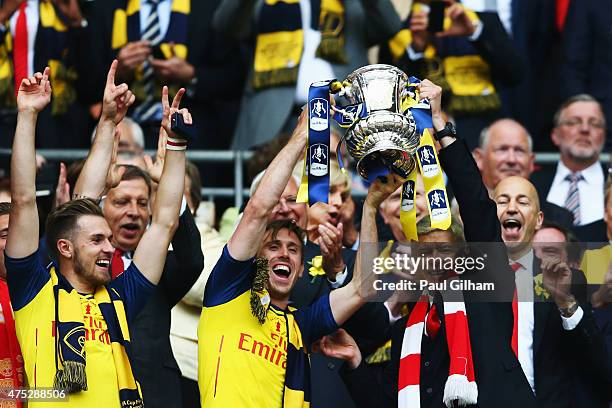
(515,267)
(432,322)
(20,47)
(561,14)
(117,263)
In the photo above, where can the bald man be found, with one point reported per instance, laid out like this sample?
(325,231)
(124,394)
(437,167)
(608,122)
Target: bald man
(505,150)
(557,340)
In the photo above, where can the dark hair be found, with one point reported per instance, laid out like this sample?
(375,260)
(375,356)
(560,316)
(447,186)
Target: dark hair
(573,246)
(275,226)
(195,190)
(264,154)
(5,208)
(62,221)
(133,172)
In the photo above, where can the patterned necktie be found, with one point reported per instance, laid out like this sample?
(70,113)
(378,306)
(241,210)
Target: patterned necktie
(515,267)
(20,50)
(152,33)
(572,202)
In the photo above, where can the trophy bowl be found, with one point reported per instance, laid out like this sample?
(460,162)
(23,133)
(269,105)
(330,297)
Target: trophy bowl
(385,136)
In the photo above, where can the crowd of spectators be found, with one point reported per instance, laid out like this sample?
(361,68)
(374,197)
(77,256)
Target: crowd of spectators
(121,286)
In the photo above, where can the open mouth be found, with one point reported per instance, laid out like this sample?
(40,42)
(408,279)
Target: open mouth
(103,263)
(282,271)
(512,227)
(130,229)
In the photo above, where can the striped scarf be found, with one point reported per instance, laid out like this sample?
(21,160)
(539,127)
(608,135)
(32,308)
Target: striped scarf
(70,340)
(460,384)
(53,36)
(455,65)
(280,39)
(126,28)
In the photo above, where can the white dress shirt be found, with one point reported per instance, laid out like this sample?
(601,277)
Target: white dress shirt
(311,69)
(32,17)
(526,319)
(590,190)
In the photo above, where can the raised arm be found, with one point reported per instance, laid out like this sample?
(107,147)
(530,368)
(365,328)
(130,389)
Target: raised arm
(92,181)
(34,94)
(346,300)
(245,241)
(151,252)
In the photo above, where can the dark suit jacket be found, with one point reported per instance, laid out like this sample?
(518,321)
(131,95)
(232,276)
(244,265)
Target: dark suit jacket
(542,180)
(566,360)
(152,359)
(327,389)
(500,380)
(587,53)
(219,64)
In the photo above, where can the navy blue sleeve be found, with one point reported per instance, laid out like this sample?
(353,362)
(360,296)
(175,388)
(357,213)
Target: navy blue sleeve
(316,320)
(134,288)
(25,278)
(228,280)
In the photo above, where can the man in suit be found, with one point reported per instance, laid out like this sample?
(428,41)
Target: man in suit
(267,111)
(586,54)
(499,380)
(172,42)
(505,149)
(126,208)
(577,182)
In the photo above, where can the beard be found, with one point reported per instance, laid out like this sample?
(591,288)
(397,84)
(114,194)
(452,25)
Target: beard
(87,270)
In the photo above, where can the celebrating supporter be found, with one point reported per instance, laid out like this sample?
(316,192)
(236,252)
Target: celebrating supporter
(126,209)
(72,320)
(555,337)
(577,182)
(297,43)
(266,341)
(422,370)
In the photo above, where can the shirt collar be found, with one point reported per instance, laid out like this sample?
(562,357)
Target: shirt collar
(593,174)
(526,260)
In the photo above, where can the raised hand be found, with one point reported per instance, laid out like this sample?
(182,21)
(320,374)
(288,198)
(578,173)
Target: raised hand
(341,345)
(461,24)
(330,243)
(169,110)
(114,174)
(62,191)
(154,168)
(557,279)
(34,92)
(381,189)
(117,98)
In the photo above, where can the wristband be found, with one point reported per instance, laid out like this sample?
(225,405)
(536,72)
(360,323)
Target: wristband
(176,144)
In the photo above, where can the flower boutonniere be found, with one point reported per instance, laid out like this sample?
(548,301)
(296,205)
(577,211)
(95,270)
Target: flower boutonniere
(316,267)
(538,287)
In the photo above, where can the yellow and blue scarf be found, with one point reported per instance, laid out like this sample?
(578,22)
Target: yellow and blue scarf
(70,340)
(126,28)
(454,64)
(53,32)
(280,39)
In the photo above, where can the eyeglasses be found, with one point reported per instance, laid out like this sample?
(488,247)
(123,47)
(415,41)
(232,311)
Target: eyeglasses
(573,123)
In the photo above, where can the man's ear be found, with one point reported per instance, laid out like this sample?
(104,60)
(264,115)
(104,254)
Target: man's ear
(555,137)
(539,220)
(477,153)
(65,248)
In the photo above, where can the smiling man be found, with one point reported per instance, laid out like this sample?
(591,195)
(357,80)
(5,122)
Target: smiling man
(71,320)
(554,337)
(247,329)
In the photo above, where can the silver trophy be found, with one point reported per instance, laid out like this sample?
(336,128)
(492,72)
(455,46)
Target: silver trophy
(385,135)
